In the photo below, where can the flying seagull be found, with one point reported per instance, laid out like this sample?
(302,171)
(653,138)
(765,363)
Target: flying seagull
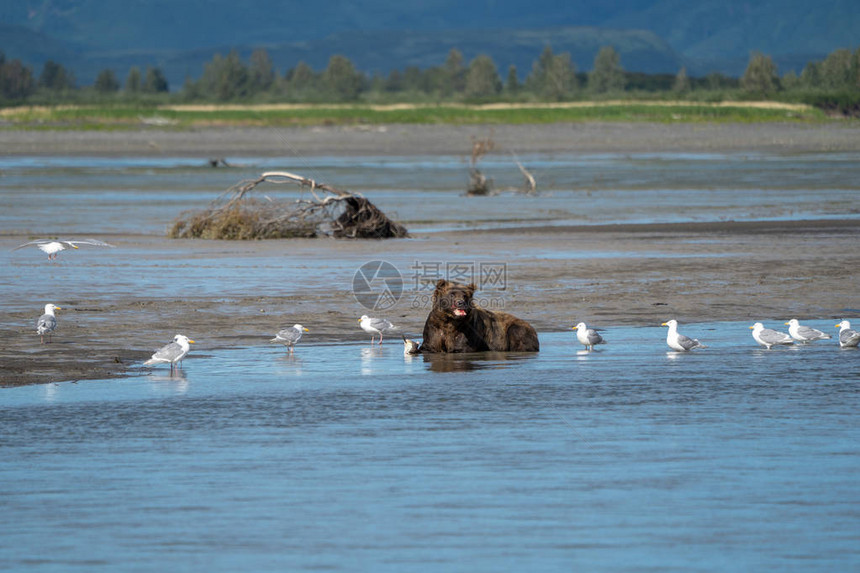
(53,246)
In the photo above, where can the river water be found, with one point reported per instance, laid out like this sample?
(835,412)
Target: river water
(351,457)
(426,193)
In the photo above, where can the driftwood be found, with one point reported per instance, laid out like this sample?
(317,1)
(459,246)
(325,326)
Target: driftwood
(480,185)
(331,212)
(530,185)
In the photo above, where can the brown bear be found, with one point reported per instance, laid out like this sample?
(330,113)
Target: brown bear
(456,324)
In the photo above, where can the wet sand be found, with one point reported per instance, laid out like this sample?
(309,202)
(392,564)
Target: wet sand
(770,271)
(401,140)
(607,275)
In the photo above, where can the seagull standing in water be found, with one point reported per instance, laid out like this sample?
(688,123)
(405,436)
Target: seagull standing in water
(804,333)
(588,337)
(374,326)
(410,347)
(172,352)
(290,336)
(767,337)
(678,341)
(847,337)
(47,323)
(53,246)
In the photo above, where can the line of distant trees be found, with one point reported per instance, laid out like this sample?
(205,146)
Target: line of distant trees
(553,77)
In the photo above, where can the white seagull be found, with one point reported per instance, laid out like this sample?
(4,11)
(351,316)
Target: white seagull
(172,352)
(804,333)
(53,246)
(678,341)
(47,323)
(290,336)
(847,337)
(374,326)
(767,337)
(588,337)
(410,347)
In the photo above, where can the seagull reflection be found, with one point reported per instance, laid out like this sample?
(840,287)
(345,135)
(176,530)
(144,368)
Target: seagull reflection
(289,363)
(175,381)
(367,357)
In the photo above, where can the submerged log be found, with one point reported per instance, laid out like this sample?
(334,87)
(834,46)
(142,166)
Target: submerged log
(330,212)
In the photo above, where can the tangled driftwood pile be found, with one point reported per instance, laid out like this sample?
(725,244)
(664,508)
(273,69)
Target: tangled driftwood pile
(328,212)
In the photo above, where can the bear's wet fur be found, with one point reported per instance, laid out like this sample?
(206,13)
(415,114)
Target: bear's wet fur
(456,324)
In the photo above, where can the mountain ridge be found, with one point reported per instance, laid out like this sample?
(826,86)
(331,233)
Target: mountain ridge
(651,35)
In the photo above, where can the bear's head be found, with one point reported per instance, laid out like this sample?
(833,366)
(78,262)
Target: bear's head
(453,299)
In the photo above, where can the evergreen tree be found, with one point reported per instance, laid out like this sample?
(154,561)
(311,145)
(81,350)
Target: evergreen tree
(607,75)
(133,82)
(225,78)
(16,79)
(454,77)
(790,80)
(106,82)
(154,82)
(413,79)
(855,69)
(54,77)
(760,76)
(482,78)
(553,77)
(301,80)
(190,89)
(340,79)
(836,70)
(261,72)
(394,81)
(810,77)
(560,80)
(537,78)
(718,81)
(682,82)
(512,85)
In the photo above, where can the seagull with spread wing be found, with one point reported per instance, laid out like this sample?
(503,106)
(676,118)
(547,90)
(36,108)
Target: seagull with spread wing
(53,246)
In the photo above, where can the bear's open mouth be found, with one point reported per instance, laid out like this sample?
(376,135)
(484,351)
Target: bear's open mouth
(459,312)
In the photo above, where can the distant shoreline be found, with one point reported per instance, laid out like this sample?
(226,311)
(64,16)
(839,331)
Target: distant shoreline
(437,140)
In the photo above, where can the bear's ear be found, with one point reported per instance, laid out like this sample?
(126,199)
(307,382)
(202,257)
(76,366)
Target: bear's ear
(471,288)
(441,283)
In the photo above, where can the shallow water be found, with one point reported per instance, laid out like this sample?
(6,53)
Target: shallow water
(349,457)
(346,457)
(135,195)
